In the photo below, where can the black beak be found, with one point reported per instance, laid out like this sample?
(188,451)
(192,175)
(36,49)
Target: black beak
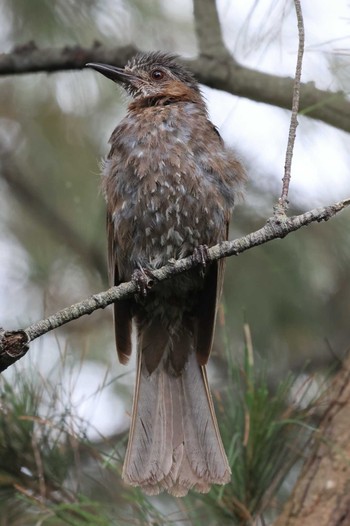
(111,72)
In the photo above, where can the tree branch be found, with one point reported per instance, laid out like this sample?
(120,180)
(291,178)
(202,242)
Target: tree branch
(208,29)
(14,344)
(330,107)
(49,217)
(283,201)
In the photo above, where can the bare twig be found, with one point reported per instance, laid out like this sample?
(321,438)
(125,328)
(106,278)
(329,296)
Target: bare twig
(14,344)
(330,107)
(283,201)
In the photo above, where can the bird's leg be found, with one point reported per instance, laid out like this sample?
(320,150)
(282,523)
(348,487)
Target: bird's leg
(143,279)
(200,256)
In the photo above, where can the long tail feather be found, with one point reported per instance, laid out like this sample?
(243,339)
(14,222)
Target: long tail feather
(174,441)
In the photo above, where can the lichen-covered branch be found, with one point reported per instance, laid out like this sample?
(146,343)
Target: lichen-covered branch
(14,344)
(225,74)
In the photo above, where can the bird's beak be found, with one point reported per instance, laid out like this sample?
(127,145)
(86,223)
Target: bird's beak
(118,75)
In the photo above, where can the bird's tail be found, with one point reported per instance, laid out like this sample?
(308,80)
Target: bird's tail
(174,441)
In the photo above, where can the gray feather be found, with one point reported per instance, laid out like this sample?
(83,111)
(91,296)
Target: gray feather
(174,442)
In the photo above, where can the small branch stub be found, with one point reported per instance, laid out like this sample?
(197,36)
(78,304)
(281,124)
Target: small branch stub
(13,346)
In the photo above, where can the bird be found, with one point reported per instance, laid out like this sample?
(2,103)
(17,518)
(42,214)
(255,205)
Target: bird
(170,185)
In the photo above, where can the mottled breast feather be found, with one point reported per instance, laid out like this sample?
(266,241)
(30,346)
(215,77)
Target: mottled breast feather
(173,180)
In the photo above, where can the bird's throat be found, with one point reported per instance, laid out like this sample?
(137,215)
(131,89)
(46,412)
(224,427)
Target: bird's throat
(174,93)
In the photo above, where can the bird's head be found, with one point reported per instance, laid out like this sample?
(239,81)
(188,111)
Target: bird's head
(152,76)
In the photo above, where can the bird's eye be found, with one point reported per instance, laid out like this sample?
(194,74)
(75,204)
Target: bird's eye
(157,74)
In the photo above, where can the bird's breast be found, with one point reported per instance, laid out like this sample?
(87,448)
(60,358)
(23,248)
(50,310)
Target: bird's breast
(161,192)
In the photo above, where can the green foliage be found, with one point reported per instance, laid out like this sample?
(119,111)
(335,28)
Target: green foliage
(51,475)
(264,436)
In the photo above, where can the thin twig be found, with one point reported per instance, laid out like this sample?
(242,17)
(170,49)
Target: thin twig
(14,344)
(283,201)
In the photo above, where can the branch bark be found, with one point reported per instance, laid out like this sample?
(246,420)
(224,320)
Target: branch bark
(14,344)
(48,216)
(321,496)
(224,74)
(208,29)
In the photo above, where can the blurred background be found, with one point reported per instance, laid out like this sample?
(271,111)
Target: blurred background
(54,130)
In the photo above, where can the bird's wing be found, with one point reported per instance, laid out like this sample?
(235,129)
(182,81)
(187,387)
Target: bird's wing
(207,307)
(122,308)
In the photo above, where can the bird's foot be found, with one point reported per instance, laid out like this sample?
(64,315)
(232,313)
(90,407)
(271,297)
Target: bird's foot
(144,280)
(200,255)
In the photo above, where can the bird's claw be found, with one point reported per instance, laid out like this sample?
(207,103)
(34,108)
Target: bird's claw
(200,255)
